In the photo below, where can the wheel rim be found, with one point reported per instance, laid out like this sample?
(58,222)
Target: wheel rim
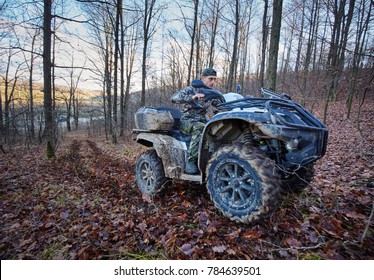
(147,176)
(236,185)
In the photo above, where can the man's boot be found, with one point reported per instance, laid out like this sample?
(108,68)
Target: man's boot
(191,167)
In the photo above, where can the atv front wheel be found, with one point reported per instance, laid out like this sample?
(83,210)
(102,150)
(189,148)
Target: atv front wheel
(150,176)
(243,183)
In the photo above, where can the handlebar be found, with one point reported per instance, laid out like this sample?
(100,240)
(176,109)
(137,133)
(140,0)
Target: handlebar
(274,95)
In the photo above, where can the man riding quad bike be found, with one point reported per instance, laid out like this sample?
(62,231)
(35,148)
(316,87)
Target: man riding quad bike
(250,150)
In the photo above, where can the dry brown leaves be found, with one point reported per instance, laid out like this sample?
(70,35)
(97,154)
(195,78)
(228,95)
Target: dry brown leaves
(84,204)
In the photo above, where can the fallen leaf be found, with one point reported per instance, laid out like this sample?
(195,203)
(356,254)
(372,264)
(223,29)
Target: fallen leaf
(187,249)
(292,242)
(219,249)
(146,198)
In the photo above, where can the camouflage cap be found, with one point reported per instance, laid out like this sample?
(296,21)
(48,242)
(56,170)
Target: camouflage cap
(209,72)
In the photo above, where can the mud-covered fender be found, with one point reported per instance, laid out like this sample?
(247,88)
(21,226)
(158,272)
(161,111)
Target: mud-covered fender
(241,114)
(227,126)
(170,150)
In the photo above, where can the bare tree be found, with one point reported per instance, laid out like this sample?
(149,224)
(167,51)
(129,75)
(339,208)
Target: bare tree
(47,74)
(175,61)
(265,31)
(274,44)
(130,51)
(234,55)
(29,57)
(214,28)
(10,83)
(193,38)
(301,37)
(31,90)
(364,14)
(102,25)
(244,45)
(151,15)
(71,99)
(115,66)
(190,21)
(339,37)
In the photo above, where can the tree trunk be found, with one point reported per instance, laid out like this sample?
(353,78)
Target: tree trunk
(287,59)
(108,83)
(76,99)
(234,57)
(274,44)
(122,87)
(362,28)
(148,14)
(68,113)
(115,85)
(215,18)
(31,93)
(264,42)
(193,36)
(7,100)
(198,51)
(301,38)
(335,59)
(309,51)
(2,132)
(47,68)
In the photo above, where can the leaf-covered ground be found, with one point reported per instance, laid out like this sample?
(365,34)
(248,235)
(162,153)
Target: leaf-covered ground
(84,204)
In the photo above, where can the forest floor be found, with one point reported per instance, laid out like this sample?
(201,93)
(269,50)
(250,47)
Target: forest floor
(84,204)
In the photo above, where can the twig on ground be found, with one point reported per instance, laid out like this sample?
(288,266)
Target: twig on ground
(367,225)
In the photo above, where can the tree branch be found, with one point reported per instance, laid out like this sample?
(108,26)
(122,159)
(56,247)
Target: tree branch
(367,224)
(70,19)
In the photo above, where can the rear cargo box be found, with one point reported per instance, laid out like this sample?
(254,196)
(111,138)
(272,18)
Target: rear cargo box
(149,118)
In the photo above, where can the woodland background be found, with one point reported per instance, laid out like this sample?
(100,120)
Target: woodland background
(73,73)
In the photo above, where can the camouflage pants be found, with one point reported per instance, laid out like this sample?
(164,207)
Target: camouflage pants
(194,128)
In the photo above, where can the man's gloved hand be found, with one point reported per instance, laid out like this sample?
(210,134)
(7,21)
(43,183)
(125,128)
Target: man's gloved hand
(199,97)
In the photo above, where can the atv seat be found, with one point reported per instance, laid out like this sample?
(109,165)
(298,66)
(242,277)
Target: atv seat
(175,132)
(176,114)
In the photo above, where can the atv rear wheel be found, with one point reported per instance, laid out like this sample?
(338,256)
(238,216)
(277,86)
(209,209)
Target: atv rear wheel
(243,183)
(150,176)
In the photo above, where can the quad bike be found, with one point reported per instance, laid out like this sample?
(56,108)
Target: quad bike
(250,150)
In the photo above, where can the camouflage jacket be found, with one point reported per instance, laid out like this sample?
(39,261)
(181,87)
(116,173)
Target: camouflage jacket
(192,108)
